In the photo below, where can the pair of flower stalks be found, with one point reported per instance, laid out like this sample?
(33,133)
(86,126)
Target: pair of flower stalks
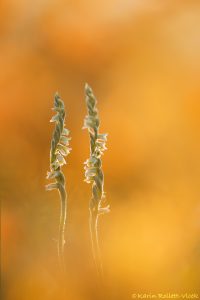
(93,170)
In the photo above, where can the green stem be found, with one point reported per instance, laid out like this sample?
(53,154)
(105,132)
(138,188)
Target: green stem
(93,224)
(63,214)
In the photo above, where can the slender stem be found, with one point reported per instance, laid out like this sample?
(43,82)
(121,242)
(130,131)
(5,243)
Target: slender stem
(61,236)
(93,224)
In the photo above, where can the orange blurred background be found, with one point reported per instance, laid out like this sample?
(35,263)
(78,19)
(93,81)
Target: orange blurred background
(142,58)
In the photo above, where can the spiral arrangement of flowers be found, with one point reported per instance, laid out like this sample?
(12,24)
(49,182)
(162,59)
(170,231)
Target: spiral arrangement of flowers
(93,170)
(59,149)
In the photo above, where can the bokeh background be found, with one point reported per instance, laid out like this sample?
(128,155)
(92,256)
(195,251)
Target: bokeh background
(142,58)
